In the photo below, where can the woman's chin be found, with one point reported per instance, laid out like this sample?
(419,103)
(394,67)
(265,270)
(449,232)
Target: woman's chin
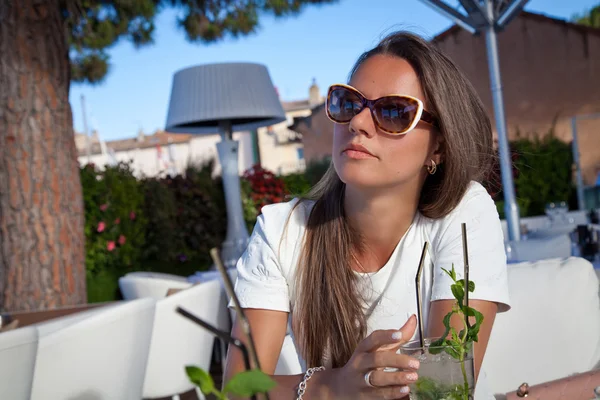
(363,178)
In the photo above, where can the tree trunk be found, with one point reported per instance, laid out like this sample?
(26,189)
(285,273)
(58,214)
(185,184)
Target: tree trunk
(41,208)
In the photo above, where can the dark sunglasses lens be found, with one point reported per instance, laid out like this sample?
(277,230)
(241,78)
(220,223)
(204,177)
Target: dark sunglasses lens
(343,104)
(396,114)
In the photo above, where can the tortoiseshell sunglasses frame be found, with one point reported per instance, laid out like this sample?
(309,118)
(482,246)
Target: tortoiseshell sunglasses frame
(420,115)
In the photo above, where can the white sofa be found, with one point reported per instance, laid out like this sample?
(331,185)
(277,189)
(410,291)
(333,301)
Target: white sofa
(553,328)
(94,355)
(178,342)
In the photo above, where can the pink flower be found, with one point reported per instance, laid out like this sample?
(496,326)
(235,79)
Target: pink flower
(101,227)
(132,215)
(103,207)
(117,221)
(110,246)
(122,240)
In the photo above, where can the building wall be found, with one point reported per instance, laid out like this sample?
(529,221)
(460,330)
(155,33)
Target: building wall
(275,154)
(317,135)
(146,161)
(550,72)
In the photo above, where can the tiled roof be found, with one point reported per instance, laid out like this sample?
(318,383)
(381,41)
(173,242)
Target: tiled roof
(159,138)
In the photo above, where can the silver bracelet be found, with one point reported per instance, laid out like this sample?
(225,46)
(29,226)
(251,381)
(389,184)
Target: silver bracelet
(309,373)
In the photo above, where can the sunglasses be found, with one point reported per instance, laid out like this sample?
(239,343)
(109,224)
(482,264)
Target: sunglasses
(396,114)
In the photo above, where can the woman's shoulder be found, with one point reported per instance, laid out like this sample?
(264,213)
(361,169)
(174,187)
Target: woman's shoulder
(287,218)
(475,207)
(295,212)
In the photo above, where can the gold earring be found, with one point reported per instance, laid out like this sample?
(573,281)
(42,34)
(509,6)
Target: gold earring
(432,168)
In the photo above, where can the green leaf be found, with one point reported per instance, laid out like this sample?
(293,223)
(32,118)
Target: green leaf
(447,272)
(200,378)
(451,273)
(459,293)
(471,286)
(249,383)
(440,342)
(474,329)
(454,335)
(453,349)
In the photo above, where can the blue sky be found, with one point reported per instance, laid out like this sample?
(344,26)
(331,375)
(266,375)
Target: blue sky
(322,43)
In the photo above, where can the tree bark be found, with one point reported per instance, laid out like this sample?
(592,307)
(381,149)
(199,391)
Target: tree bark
(41,208)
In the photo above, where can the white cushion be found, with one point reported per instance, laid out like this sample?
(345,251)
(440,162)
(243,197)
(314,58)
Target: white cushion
(18,350)
(553,328)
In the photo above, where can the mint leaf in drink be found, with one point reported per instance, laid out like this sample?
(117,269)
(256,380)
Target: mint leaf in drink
(200,378)
(249,383)
(458,292)
(451,273)
(471,286)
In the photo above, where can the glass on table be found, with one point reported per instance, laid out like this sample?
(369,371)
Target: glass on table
(443,374)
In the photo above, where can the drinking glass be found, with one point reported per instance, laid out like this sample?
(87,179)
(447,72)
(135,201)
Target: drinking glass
(441,375)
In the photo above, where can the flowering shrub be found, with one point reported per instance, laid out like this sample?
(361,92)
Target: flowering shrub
(266,188)
(115,226)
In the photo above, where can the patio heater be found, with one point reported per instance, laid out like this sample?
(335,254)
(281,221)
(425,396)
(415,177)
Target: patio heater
(490,17)
(220,99)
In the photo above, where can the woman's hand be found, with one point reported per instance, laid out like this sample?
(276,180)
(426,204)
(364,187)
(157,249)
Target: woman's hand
(363,376)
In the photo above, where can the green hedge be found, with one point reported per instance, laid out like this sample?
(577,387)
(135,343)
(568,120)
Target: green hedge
(542,173)
(170,224)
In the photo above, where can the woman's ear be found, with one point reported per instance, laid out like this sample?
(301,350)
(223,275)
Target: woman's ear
(438,149)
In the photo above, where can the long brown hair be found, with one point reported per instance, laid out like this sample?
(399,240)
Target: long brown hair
(329,314)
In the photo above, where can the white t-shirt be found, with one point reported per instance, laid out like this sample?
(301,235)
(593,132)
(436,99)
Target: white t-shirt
(267,268)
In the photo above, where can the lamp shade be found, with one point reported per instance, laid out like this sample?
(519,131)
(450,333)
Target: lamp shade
(205,96)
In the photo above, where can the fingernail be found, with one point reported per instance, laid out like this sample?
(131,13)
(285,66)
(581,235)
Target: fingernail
(397,335)
(404,389)
(414,364)
(412,376)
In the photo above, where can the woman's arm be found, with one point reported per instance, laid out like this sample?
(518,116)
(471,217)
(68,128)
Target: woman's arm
(440,308)
(268,331)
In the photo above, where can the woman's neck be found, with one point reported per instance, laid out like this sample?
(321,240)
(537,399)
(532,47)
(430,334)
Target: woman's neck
(381,218)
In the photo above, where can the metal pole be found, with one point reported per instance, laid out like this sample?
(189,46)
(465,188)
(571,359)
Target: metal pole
(88,141)
(510,204)
(237,236)
(576,160)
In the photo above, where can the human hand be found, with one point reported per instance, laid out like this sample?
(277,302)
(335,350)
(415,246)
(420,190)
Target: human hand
(363,377)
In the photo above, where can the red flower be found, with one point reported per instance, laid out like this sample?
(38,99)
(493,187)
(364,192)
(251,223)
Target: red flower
(121,240)
(103,207)
(132,215)
(117,221)
(110,246)
(101,227)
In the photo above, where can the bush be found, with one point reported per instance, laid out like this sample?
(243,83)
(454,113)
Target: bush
(542,173)
(261,187)
(296,185)
(187,218)
(115,225)
(316,169)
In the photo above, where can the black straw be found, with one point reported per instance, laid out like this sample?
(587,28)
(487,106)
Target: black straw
(419,294)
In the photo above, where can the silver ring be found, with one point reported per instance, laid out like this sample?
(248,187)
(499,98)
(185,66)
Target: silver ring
(368,379)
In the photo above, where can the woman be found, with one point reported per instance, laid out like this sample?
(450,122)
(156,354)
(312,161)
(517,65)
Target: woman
(340,265)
